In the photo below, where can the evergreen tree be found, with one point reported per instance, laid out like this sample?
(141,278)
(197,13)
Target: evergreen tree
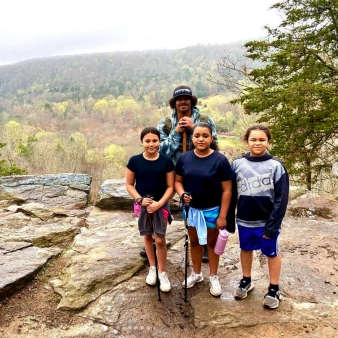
(295,91)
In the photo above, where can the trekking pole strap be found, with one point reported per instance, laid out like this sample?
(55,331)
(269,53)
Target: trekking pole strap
(139,200)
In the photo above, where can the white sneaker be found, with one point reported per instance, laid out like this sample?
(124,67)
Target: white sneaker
(151,278)
(165,285)
(193,279)
(215,286)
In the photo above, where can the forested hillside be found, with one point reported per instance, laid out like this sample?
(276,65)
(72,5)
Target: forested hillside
(132,74)
(84,113)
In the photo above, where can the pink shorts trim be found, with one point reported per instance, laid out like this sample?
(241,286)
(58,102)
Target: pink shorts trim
(137,209)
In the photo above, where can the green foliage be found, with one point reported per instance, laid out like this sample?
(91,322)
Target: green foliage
(61,114)
(226,143)
(295,91)
(122,73)
(101,106)
(26,150)
(219,108)
(115,154)
(8,167)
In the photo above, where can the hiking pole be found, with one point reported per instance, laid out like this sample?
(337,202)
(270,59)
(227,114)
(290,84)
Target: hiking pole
(184,142)
(184,149)
(186,245)
(151,222)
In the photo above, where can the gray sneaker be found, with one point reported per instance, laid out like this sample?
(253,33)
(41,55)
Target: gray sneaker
(272,300)
(243,289)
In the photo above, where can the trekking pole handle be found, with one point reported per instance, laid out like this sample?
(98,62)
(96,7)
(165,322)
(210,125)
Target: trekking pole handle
(148,196)
(186,193)
(139,200)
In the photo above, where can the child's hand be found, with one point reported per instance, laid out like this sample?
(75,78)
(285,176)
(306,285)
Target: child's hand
(221,222)
(186,199)
(153,207)
(147,201)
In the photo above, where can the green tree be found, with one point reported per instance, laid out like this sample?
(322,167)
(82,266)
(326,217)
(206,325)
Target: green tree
(290,79)
(8,167)
(115,154)
(101,107)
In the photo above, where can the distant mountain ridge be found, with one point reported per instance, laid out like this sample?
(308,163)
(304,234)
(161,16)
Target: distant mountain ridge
(133,74)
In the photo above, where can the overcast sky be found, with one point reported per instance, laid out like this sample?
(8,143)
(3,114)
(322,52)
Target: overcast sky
(40,28)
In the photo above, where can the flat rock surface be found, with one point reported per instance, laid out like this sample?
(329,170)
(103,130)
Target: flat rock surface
(122,305)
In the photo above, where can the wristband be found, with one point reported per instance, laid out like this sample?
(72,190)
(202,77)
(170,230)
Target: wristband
(139,200)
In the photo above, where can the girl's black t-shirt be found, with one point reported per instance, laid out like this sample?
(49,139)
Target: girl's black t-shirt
(151,176)
(202,177)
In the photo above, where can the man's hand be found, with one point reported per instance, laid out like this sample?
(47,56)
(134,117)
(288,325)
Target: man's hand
(184,124)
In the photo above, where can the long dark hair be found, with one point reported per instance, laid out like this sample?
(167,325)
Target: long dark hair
(149,130)
(213,144)
(261,127)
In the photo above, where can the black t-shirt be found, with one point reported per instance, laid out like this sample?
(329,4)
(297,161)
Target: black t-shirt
(202,177)
(151,176)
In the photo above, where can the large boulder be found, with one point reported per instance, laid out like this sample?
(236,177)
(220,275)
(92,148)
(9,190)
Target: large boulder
(114,196)
(70,191)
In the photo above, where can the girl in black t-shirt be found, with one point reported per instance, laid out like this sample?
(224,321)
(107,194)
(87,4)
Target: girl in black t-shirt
(207,176)
(151,173)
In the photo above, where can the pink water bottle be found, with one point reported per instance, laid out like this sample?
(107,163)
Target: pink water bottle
(221,242)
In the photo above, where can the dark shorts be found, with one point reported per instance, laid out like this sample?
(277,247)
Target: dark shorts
(252,239)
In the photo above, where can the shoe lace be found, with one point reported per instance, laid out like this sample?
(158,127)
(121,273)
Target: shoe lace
(164,277)
(214,280)
(273,293)
(243,284)
(193,276)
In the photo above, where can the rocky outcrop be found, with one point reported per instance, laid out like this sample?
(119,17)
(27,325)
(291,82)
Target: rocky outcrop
(37,212)
(102,257)
(20,262)
(113,196)
(304,282)
(104,279)
(67,191)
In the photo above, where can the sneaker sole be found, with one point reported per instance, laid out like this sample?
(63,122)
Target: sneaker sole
(247,291)
(272,307)
(199,281)
(216,294)
(151,284)
(165,290)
